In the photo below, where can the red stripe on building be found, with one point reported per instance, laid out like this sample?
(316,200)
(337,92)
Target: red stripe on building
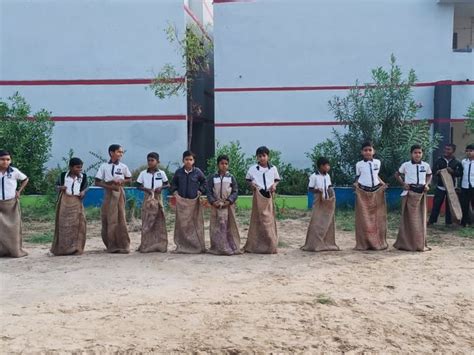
(198,23)
(333,87)
(319,123)
(119,118)
(229,1)
(84,82)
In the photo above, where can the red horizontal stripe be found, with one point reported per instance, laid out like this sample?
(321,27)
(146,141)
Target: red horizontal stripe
(198,23)
(332,87)
(319,123)
(119,118)
(84,82)
(228,1)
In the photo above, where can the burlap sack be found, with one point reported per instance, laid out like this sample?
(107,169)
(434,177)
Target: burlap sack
(114,222)
(189,226)
(451,196)
(321,233)
(70,226)
(412,230)
(225,238)
(154,234)
(10,229)
(371,220)
(262,236)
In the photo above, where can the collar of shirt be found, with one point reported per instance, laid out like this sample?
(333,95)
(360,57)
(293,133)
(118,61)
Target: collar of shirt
(150,171)
(8,171)
(188,172)
(268,167)
(114,162)
(415,163)
(367,160)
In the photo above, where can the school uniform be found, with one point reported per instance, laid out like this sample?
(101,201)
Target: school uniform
(262,235)
(10,216)
(189,223)
(114,223)
(412,230)
(154,237)
(467,190)
(224,234)
(440,193)
(371,207)
(70,224)
(321,233)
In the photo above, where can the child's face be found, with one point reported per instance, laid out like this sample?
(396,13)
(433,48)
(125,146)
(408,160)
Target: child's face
(325,168)
(469,154)
(416,155)
(188,162)
(448,151)
(262,159)
(152,163)
(116,154)
(5,162)
(76,169)
(223,166)
(368,153)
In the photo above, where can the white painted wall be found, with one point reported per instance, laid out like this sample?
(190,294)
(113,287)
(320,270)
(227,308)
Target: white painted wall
(324,42)
(90,39)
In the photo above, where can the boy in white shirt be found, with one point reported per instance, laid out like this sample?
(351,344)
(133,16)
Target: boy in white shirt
(70,224)
(10,216)
(416,180)
(263,179)
(467,186)
(321,232)
(371,208)
(152,181)
(112,176)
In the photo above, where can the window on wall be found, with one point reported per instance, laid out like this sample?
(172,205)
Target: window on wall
(463,34)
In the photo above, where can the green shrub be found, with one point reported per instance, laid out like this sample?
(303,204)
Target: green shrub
(27,137)
(470,118)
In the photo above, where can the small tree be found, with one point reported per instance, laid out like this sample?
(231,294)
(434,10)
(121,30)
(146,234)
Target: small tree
(383,112)
(194,50)
(27,137)
(470,119)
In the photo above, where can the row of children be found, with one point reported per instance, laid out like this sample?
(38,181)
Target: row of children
(189,183)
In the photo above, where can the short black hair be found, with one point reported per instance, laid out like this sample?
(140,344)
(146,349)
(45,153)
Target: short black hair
(153,155)
(222,157)
(74,162)
(4,153)
(322,161)
(114,147)
(468,147)
(414,147)
(451,145)
(366,144)
(188,153)
(262,150)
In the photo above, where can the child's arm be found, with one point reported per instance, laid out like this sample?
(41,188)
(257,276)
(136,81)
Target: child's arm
(399,178)
(174,183)
(210,191)
(22,187)
(277,181)
(428,181)
(59,183)
(84,186)
(234,193)
(100,183)
(202,183)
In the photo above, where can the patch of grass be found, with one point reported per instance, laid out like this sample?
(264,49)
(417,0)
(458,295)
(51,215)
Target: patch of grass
(324,299)
(345,220)
(92,213)
(467,232)
(282,244)
(282,201)
(43,238)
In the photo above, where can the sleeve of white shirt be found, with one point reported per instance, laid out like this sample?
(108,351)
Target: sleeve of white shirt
(101,172)
(140,177)
(163,176)
(277,175)
(20,176)
(127,172)
(249,174)
(329,180)
(402,169)
(428,170)
(358,169)
(312,181)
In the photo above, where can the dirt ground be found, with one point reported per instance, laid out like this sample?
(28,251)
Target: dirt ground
(294,301)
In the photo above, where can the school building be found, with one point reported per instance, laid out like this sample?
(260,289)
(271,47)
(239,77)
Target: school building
(276,64)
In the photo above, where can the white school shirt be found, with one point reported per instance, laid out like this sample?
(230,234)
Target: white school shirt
(467,174)
(73,184)
(152,179)
(263,177)
(321,182)
(110,171)
(8,182)
(368,172)
(414,173)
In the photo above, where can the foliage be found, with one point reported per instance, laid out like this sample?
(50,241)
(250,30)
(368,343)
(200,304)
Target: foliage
(27,137)
(383,112)
(470,118)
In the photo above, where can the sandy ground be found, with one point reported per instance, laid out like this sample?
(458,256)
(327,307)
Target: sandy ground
(294,301)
